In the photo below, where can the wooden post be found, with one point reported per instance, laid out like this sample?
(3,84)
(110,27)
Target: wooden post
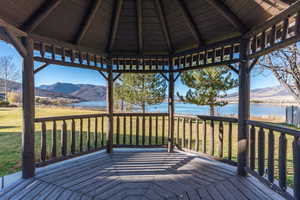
(28,165)
(110,108)
(244,104)
(171,110)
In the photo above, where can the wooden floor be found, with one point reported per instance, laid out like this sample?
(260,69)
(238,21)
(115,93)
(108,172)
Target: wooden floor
(139,174)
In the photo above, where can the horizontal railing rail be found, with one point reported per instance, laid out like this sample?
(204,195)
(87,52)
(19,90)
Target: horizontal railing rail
(274,153)
(64,137)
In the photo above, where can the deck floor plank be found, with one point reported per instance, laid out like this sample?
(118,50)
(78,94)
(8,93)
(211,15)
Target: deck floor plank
(139,174)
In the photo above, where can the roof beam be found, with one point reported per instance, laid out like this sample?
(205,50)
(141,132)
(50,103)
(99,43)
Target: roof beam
(96,4)
(139,11)
(115,23)
(163,22)
(40,68)
(37,18)
(14,40)
(191,23)
(228,14)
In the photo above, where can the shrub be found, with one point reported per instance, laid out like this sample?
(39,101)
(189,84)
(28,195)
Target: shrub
(4,103)
(14,98)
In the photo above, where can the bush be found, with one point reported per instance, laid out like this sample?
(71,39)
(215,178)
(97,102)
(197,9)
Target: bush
(14,98)
(4,103)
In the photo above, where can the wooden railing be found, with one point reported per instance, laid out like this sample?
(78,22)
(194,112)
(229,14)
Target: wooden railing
(274,153)
(214,136)
(68,136)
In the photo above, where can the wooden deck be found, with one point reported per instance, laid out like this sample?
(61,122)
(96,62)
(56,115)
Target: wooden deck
(139,174)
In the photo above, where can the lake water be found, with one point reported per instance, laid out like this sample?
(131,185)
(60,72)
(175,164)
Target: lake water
(258,110)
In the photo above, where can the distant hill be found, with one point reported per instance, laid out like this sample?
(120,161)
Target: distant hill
(16,87)
(276,94)
(86,92)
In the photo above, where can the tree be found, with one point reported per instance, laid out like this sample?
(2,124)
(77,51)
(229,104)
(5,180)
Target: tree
(119,97)
(208,86)
(8,72)
(285,65)
(142,89)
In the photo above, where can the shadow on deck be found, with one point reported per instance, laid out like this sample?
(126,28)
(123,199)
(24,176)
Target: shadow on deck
(139,174)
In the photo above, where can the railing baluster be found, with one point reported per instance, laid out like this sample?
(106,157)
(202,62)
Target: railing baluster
(261,151)
(118,130)
(124,130)
(96,133)
(220,143)
(137,130)
(73,146)
(53,150)
(43,142)
(89,134)
(282,161)
(143,130)
(130,133)
(230,141)
(64,138)
(271,156)
(81,135)
(163,130)
(191,134)
(156,129)
(252,147)
(183,133)
(177,131)
(150,130)
(197,135)
(212,137)
(102,131)
(296,152)
(204,136)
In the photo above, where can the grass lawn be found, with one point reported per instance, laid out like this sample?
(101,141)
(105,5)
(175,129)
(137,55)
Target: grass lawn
(11,127)
(10,134)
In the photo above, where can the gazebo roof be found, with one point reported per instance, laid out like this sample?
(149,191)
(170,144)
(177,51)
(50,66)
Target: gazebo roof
(139,27)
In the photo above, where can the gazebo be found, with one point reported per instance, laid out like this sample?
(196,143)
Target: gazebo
(113,37)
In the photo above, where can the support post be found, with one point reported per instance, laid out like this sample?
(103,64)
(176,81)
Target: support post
(110,108)
(28,160)
(171,109)
(244,104)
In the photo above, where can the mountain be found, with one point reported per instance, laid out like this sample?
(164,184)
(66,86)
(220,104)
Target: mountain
(86,92)
(276,94)
(13,86)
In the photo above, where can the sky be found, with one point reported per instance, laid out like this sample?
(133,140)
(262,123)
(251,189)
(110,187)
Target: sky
(54,73)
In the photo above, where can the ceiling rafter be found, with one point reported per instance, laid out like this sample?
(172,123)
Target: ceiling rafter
(163,22)
(190,21)
(96,4)
(228,14)
(37,18)
(139,11)
(115,23)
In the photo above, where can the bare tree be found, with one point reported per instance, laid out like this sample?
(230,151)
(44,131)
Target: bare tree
(285,65)
(8,72)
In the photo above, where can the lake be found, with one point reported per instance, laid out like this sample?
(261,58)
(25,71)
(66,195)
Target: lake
(257,110)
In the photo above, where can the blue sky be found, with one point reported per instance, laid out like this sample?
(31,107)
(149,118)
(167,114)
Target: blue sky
(54,73)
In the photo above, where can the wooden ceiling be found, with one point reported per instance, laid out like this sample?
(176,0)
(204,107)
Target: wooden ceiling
(139,27)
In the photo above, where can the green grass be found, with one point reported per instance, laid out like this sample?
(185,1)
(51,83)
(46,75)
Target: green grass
(11,127)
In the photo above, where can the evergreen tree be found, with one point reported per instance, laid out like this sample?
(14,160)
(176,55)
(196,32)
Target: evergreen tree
(142,89)
(208,86)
